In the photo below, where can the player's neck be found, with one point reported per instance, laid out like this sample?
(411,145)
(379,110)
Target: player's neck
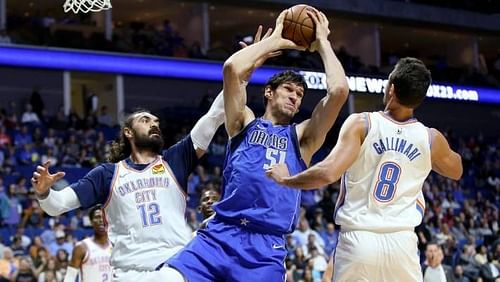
(400,114)
(276,119)
(101,239)
(142,157)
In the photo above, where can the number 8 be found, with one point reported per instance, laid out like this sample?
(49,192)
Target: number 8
(386,185)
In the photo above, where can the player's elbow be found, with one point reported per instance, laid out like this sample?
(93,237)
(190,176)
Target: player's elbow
(327,176)
(459,169)
(340,90)
(229,67)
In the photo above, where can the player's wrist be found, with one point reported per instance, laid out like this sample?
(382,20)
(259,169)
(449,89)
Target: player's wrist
(42,195)
(323,44)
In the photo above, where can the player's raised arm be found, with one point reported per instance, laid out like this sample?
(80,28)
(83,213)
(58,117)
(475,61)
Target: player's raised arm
(206,127)
(312,132)
(444,160)
(331,168)
(238,68)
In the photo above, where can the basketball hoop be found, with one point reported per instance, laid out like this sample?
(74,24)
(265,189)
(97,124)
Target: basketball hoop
(86,6)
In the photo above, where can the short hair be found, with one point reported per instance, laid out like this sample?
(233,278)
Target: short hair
(411,79)
(285,77)
(93,210)
(434,242)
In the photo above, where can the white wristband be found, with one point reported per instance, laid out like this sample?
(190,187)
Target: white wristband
(59,202)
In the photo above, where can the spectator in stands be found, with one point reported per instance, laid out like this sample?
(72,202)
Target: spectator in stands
(25,240)
(459,274)
(62,259)
(29,116)
(318,263)
(291,246)
(37,103)
(27,155)
(8,265)
(104,117)
(4,202)
(17,247)
(59,121)
(468,263)
(23,137)
(25,271)
(319,221)
(34,247)
(49,157)
(60,243)
(301,234)
(433,270)
(313,244)
(51,270)
(5,139)
(330,237)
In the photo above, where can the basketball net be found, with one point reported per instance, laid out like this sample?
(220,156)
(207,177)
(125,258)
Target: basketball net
(86,6)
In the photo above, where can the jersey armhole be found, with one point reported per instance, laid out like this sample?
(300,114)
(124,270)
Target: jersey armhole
(431,137)
(112,184)
(236,140)
(86,257)
(297,145)
(367,123)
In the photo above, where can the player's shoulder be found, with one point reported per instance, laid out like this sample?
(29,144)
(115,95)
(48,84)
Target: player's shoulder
(358,120)
(80,248)
(104,168)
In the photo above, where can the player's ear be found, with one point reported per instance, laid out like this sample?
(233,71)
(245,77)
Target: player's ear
(392,91)
(268,93)
(127,132)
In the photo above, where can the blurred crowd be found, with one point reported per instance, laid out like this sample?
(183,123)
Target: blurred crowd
(164,39)
(482,6)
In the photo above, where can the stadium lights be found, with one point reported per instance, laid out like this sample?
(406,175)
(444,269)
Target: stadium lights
(92,61)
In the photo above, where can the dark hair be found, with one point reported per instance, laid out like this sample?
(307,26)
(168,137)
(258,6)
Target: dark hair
(434,242)
(121,149)
(285,77)
(411,79)
(93,210)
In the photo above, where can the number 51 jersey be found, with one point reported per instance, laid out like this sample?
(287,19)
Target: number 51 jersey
(382,190)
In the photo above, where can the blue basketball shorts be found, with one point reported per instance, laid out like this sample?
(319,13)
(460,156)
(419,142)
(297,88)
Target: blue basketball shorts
(228,252)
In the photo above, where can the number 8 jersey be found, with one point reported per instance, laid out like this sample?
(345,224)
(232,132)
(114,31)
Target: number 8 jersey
(382,190)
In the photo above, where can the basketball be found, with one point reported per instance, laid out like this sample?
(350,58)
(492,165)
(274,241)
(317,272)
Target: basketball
(299,26)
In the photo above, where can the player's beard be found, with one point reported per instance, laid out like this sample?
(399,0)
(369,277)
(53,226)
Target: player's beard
(148,142)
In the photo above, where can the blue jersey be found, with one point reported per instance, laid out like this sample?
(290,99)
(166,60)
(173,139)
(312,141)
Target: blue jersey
(249,196)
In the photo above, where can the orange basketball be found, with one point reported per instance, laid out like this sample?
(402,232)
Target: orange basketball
(299,26)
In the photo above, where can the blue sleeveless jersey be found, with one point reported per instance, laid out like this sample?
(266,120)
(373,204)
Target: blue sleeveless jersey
(249,196)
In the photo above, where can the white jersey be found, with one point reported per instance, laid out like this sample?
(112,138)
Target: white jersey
(145,213)
(382,190)
(95,264)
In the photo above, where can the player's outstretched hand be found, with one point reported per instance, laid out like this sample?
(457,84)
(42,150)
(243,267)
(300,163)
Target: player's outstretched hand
(322,30)
(278,173)
(258,37)
(42,180)
(283,43)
